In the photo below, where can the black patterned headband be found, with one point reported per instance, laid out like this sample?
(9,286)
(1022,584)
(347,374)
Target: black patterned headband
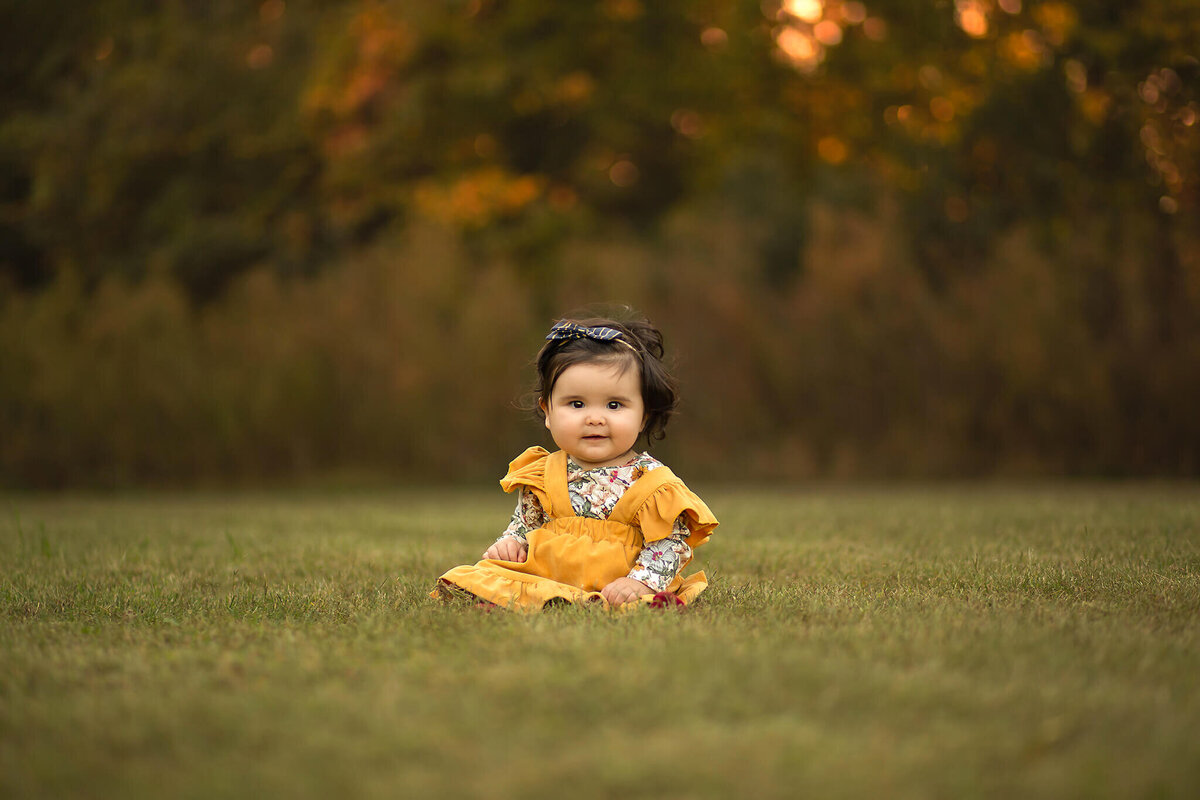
(566,331)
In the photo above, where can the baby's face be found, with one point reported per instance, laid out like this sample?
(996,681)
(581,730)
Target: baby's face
(596,412)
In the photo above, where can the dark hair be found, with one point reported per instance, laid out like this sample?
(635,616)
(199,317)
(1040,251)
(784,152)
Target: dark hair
(640,342)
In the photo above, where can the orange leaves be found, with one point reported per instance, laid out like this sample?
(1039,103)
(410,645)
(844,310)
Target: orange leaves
(1095,105)
(832,150)
(623,10)
(478,198)
(1025,50)
(574,89)
(378,46)
(1057,21)
(972,17)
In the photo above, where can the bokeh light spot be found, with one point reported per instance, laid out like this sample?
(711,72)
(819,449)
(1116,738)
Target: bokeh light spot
(623,10)
(1149,90)
(688,123)
(624,173)
(828,32)
(854,13)
(575,89)
(875,29)
(1076,73)
(260,56)
(971,17)
(806,10)
(832,150)
(930,77)
(1095,105)
(1057,21)
(714,38)
(1151,139)
(1025,50)
(485,145)
(271,10)
(799,47)
(941,109)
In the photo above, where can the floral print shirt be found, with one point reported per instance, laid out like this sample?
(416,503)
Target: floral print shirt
(594,493)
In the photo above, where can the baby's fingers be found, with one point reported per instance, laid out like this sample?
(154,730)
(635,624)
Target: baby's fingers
(615,597)
(505,551)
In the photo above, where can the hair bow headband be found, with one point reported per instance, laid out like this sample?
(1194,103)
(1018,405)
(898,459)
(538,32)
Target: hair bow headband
(570,330)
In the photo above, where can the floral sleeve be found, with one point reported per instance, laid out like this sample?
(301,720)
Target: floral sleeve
(528,516)
(660,561)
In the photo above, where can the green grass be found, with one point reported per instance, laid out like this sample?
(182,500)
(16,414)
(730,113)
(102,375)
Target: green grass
(967,641)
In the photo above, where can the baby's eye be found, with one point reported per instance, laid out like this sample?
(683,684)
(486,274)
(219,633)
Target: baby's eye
(613,405)
(576,404)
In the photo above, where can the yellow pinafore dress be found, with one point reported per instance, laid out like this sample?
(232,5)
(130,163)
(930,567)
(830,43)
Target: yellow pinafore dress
(571,558)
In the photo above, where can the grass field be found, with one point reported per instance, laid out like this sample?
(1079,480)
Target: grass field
(947,641)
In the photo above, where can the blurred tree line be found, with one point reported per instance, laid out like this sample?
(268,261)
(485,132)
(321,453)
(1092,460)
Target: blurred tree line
(250,240)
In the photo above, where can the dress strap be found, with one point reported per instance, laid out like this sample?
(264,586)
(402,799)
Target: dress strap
(635,496)
(556,485)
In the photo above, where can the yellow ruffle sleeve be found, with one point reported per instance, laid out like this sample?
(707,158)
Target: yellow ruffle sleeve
(528,470)
(657,514)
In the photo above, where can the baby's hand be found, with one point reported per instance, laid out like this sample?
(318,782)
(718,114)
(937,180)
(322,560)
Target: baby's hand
(624,590)
(508,549)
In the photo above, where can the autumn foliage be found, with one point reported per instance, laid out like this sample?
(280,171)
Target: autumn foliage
(243,243)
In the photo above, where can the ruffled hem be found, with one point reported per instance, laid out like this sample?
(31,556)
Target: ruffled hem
(518,592)
(512,590)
